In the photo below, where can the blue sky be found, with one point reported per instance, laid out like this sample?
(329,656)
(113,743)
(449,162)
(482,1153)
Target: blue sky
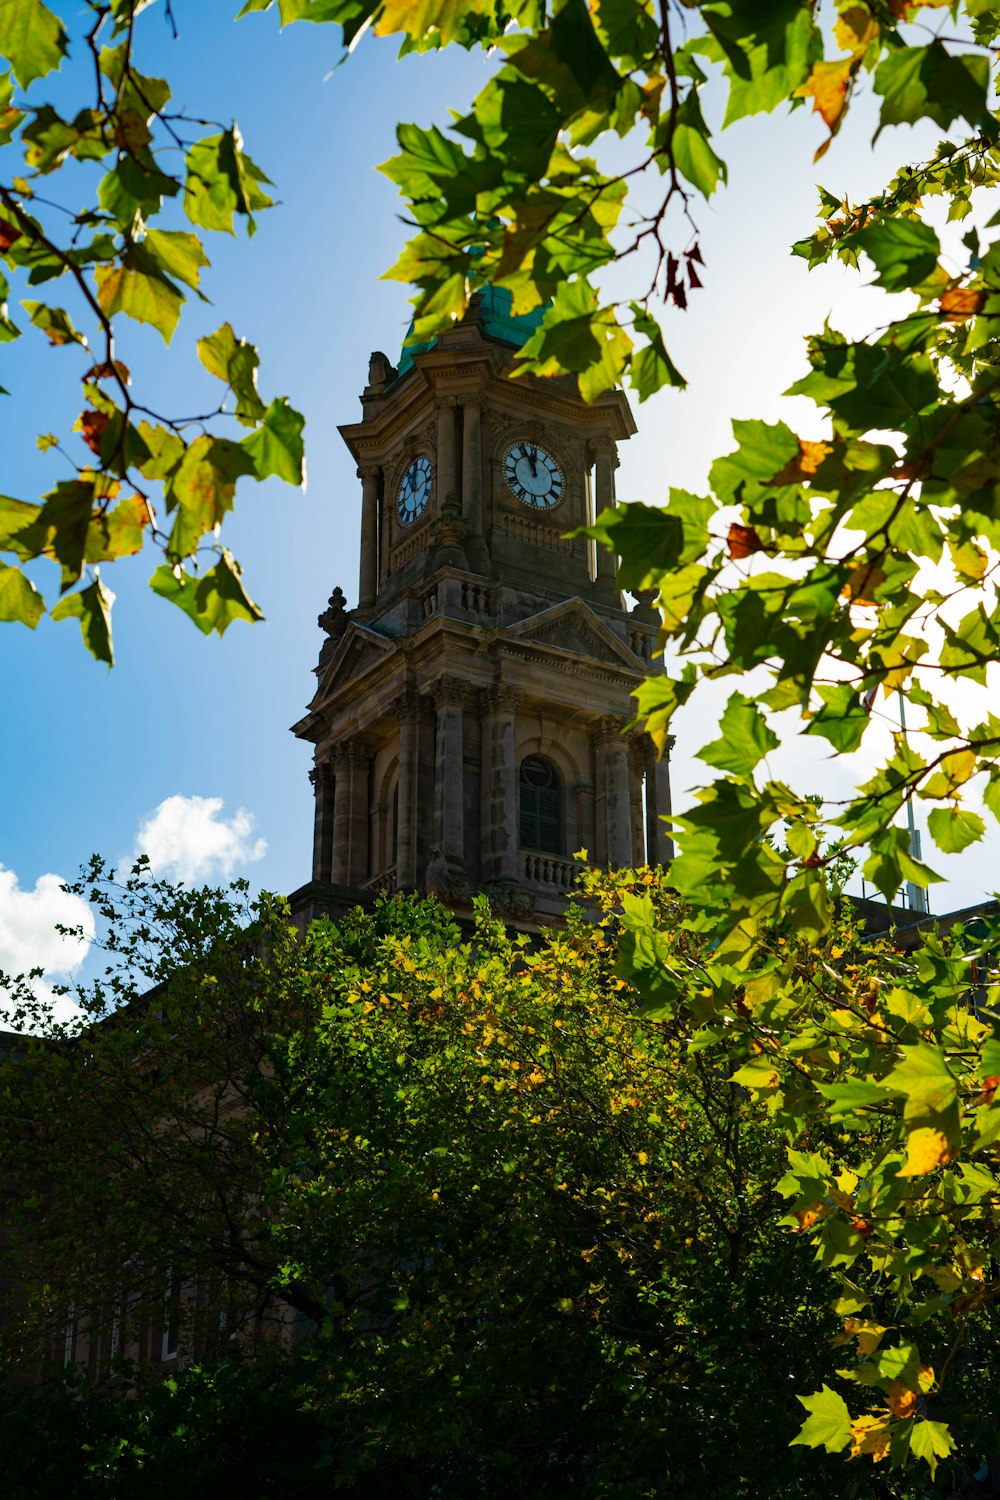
(88,756)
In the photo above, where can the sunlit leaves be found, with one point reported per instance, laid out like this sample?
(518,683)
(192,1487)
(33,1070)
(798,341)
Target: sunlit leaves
(234,361)
(31,38)
(744,740)
(92,607)
(138,289)
(222,181)
(19,599)
(213,600)
(828,1424)
(276,446)
(931,82)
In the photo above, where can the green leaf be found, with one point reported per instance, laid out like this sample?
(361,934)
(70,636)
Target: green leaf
(850,1097)
(59,528)
(178,253)
(904,251)
(119,532)
(201,489)
(577,337)
(766,51)
(16,516)
(828,1424)
(930,81)
(212,602)
(139,290)
(276,447)
(651,367)
(54,323)
(843,718)
(222,181)
(19,599)
(658,699)
(31,38)
(651,540)
(954,828)
(92,607)
(234,361)
(693,156)
(745,738)
(931,1441)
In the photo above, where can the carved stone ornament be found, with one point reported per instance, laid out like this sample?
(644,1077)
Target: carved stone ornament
(408,707)
(444,882)
(511,901)
(351,753)
(334,618)
(380,372)
(608,731)
(449,691)
(500,699)
(604,447)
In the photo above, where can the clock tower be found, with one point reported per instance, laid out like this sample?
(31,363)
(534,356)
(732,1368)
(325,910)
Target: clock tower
(470,711)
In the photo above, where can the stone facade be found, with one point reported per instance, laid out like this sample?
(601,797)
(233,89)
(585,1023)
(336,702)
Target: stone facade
(484,637)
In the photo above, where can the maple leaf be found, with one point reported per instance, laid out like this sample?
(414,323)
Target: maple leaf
(901,1401)
(805,463)
(861,585)
(855,28)
(92,425)
(742,541)
(8,234)
(870,1435)
(827,86)
(926,1148)
(962,302)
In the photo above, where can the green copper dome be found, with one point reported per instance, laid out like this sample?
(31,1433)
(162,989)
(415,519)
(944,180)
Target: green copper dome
(495,310)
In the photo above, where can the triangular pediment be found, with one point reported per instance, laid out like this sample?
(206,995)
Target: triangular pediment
(573,626)
(356,653)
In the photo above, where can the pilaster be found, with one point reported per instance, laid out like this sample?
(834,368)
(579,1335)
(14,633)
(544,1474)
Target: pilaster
(499,823)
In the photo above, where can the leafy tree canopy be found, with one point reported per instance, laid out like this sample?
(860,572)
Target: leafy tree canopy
(489,1219)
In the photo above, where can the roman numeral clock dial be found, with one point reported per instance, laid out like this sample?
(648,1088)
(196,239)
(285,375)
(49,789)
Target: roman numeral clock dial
(533,475)
(414,491)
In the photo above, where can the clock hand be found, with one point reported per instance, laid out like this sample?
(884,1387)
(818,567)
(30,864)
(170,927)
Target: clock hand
(532,454)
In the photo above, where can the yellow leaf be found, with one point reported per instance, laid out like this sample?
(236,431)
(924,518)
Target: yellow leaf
(827,86)
(855,28)
(870,1435)
(926,1148)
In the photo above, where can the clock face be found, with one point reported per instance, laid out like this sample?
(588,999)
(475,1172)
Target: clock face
(414,491)
(533,475)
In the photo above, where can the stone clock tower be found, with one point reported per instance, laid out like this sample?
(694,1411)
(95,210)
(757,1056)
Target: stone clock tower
(469,712)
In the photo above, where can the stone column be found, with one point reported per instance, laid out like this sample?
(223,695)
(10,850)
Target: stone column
(659,844)
(407,711)
(472,467)
(321,777)
(368,582)
(341,861)
(449,789)
(359,763)
(446,478)
(605,462)
(636,772)
(499,824)
(614,801)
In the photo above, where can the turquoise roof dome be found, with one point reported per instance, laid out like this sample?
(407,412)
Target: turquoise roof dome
(494,305)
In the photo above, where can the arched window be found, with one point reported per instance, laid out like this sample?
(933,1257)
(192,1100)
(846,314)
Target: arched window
(541,806)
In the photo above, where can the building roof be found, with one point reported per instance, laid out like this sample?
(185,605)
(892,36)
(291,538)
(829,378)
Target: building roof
(494,309)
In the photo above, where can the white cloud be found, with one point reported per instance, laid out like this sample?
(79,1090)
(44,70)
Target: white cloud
(187,839)
(28,939)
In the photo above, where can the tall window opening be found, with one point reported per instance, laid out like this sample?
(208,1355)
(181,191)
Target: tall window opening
(541,806)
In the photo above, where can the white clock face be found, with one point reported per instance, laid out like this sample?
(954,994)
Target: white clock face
(414,491)
(533,475)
